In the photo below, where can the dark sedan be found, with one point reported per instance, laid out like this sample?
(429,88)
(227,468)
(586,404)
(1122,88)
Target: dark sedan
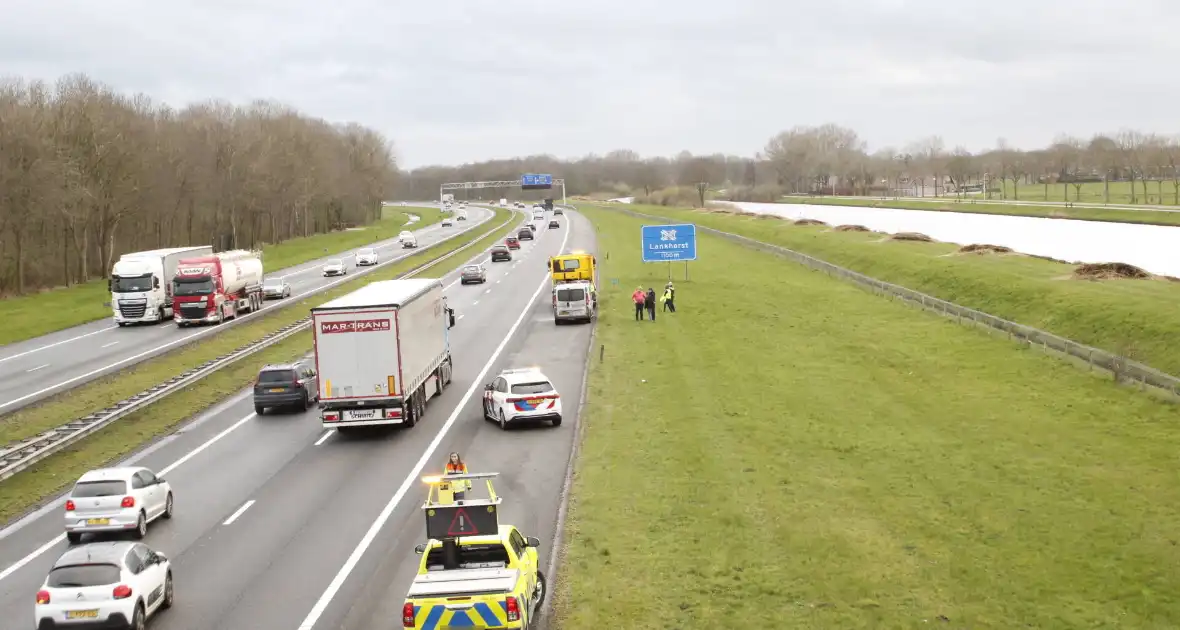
(500,252)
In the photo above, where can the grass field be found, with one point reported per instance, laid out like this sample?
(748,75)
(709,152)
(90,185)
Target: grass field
(1161,193)
(788,451)
(1135,318)
(1150,217)
(30,316)
(28,488)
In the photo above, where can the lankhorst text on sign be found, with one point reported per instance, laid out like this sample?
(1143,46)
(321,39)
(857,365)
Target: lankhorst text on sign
(359,325)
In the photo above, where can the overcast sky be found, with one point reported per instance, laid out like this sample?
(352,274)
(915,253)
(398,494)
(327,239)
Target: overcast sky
(469,80)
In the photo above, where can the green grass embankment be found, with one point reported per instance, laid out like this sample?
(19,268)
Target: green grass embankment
(29,316)
(1134,318)
(790,451)
(28,488)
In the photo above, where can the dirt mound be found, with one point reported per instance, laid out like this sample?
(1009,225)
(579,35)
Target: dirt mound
(1109,271)
(852,228)
(770,216)
(911,236)
(809,222)
(982,248)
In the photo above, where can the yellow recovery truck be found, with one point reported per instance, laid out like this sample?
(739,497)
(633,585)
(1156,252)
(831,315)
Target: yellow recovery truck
(475,572)
(575,296)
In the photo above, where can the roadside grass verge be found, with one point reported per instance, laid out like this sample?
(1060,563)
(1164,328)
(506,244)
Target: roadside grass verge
(788,451)
(1134,318)
(1150,217)
(103,392)
(1160,193)
(29,316)
(29,488)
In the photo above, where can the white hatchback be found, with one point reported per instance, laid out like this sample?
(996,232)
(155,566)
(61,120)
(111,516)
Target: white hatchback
(116,500)
(521,395)
(366,257)
(108,585)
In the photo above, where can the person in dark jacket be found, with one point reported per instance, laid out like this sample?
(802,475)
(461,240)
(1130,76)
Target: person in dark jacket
(649,302)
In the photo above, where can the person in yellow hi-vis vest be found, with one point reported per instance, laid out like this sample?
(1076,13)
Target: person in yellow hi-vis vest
(669,297)
(455,466)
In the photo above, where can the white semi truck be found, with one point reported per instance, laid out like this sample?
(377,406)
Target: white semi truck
(381,352)
(141,283)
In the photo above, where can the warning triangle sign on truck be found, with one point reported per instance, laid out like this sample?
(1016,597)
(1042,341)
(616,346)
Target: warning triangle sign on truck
(461,524)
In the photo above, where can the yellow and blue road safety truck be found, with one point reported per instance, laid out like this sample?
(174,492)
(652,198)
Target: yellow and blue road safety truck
(474,572)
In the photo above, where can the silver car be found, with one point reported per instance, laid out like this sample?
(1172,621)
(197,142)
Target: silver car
(473,273)
(116,500)
(275,288)
(366,257)
(335,268)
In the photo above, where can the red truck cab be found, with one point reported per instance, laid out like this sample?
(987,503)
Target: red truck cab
(212,289)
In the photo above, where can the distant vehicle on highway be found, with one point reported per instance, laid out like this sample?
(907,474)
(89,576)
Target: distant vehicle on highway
(108,585)
(286,385)
(212,289)
(139,283)
(512,242)
(521,395)
(276,288)
(473,273)
(574,301)
(503,203)
(532,226)
(553,225)
(525,234)
(366,257)
(111,500)
(461,215)
(447,222)
(500,252)
(557,211)
(409,241)
(335,267)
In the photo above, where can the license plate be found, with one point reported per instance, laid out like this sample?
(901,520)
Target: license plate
(82,614)
(276,390)
(98,521)
(536,401)
(368,414)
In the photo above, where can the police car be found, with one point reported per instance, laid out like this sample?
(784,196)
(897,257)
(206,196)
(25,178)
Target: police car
(521,395)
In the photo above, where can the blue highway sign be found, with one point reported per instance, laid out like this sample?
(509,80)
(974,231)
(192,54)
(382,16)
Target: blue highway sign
(531,180)
(669,243)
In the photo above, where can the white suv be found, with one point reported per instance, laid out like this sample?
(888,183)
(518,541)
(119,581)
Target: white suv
(109,585)
(116,500)
(521,395)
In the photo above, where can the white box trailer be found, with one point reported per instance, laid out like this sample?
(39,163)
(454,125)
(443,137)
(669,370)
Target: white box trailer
(381,352)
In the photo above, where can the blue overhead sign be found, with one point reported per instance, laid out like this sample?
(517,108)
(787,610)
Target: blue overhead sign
(531,180)
(669,243)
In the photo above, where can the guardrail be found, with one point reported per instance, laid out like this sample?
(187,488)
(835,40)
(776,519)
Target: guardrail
(1122,368)
(20,454)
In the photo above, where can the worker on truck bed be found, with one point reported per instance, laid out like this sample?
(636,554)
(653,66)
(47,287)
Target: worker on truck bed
(455,466)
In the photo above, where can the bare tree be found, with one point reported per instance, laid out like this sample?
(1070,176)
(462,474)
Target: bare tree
(87,173)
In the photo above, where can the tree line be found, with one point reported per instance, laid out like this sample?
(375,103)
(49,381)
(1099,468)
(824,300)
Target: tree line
(87,174)
(830,159)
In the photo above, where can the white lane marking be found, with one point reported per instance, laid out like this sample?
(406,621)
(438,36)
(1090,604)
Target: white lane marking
(39,367)
(322,604)
(184,339)
(475,302)
(459,318)
(488,290)
(497,282)
(328,434)
(107,345)
(233,517)
(54,345)
(19,564)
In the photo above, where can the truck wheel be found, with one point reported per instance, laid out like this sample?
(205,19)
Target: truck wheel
(220,315)
(411,414)
(160,315)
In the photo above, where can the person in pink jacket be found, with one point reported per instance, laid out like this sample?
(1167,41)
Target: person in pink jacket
(638,297)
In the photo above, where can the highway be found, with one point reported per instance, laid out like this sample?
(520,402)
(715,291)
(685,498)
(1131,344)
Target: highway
(34,369)
(281,526)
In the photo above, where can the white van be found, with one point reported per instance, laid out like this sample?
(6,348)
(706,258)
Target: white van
(574,301)
(409,241)
(503,203)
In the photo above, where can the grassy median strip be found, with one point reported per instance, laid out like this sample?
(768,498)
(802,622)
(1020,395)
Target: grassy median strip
(29,316)
(1150,217)
(27,489)
(108,390)
(1134,318)
(789,451)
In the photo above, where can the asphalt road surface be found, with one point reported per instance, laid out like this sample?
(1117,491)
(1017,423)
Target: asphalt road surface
(277,518)
(33,369)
